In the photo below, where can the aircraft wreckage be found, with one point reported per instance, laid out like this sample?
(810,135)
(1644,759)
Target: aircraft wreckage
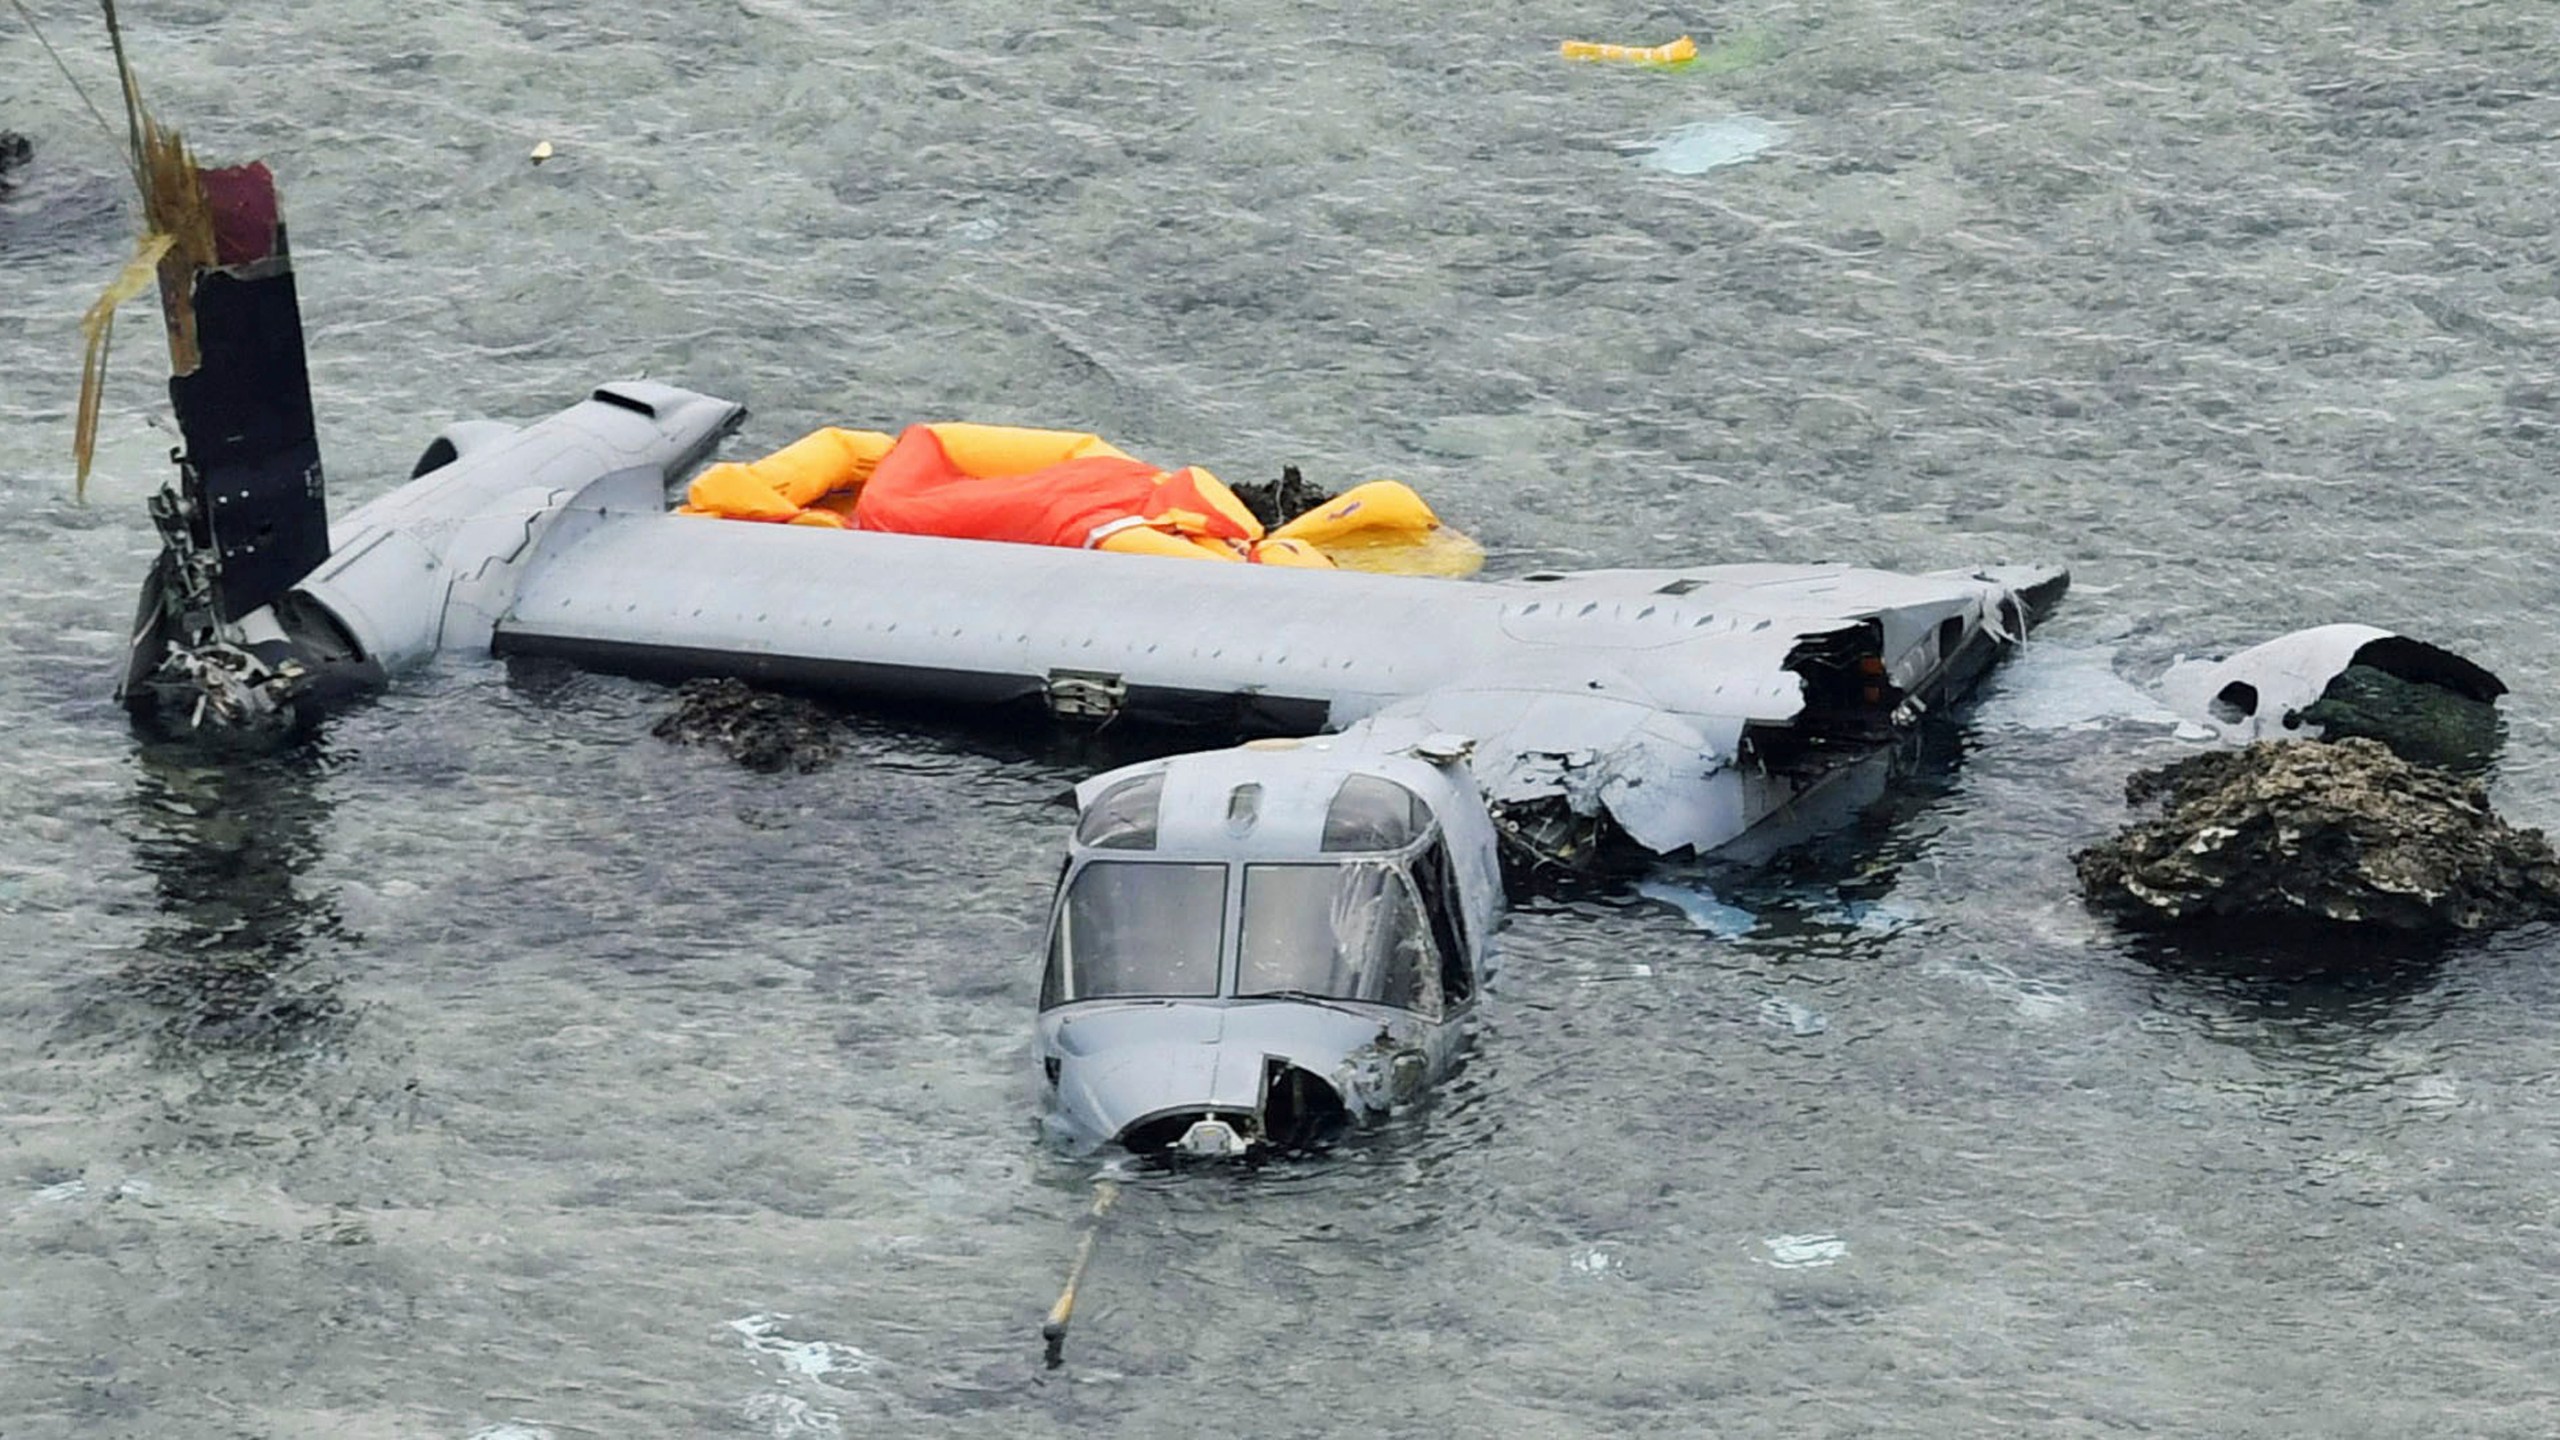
(1248,946)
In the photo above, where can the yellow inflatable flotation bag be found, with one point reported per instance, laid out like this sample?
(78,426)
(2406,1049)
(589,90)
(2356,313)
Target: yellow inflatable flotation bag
(1384,527)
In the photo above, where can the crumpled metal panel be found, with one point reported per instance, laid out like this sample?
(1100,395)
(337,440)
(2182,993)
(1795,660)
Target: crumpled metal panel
(1664,777)
(1658,751)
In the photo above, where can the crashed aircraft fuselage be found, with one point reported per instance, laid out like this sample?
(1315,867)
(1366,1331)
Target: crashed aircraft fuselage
(1715,708)
(1246,946)
(1241,981)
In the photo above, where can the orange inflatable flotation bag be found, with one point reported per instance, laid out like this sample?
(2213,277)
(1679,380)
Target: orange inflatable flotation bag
(983,482)
(1046,487)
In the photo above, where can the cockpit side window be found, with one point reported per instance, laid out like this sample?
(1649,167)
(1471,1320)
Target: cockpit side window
(1370,812)
(1133,928)
(1437,878)
(1352,931)
(1124,816)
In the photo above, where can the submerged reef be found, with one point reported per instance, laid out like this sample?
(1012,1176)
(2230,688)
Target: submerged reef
(759,730)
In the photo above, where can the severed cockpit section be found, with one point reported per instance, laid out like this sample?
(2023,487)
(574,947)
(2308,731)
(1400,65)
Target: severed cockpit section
(1249,946)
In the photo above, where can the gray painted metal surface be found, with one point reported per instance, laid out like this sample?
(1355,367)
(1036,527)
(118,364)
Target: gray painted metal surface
(798,601)
(1674,703)
(1204,1073)
(437,561)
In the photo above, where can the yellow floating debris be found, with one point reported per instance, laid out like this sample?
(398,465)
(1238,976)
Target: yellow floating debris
(541,151)
(1678,52)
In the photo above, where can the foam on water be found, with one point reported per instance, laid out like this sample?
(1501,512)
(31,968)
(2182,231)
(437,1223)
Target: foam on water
(1804,1252)
(762,1335)
(2063,687)
(1704,145)
(1699,906)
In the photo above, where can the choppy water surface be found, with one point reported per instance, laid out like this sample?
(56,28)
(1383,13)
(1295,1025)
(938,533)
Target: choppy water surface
(493,1070)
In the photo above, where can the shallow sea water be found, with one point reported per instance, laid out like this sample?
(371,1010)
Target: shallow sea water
(491,1070)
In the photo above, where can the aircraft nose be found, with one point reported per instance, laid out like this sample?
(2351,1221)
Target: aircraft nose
(1207,1099)
(1128,1093)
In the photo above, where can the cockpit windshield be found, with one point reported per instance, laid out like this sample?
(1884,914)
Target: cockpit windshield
(1351,931)
(1133,928)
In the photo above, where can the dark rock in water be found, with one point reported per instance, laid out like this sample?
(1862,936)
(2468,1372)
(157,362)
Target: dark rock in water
(14,152)
(761,731)
(2297,835)
(2422,721)
(1280,501)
